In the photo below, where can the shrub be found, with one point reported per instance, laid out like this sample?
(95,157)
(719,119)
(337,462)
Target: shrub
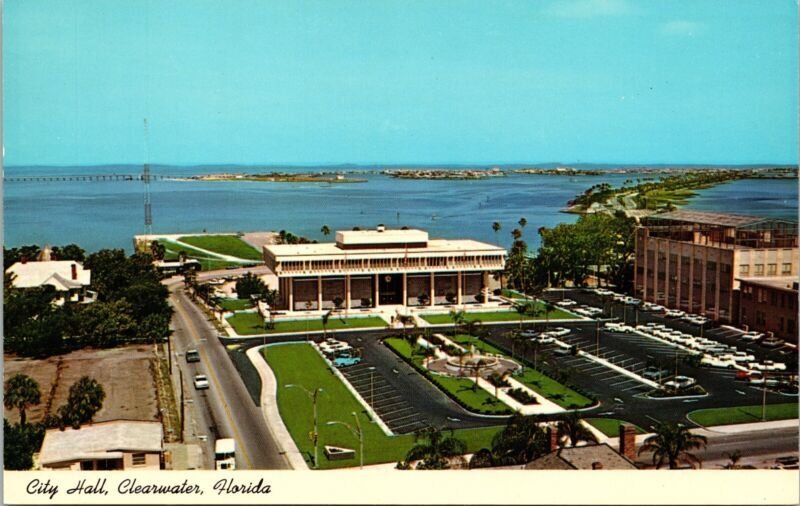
(522,396)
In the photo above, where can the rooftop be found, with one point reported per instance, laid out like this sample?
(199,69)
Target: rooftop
(52,272)
(103,440)
(380,235)
(582,457)
(781,282)
(705,218)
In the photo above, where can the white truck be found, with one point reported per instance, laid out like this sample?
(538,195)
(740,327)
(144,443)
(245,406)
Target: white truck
(225,454)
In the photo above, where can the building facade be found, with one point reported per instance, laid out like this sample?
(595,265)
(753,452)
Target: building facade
(769,304)
(691,260)
(372,268)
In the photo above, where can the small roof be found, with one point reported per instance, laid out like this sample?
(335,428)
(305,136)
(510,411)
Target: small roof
(582,457)
(780,282)
(706,218)
(52,272)
(103,440)
(381,235)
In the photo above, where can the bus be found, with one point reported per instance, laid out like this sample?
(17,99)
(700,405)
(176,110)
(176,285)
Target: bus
(225,454)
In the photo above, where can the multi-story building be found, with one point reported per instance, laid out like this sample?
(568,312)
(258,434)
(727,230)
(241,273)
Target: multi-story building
(371,268)
(769,304)
(691,260)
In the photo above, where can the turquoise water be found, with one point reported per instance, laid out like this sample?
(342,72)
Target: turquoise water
(108,214)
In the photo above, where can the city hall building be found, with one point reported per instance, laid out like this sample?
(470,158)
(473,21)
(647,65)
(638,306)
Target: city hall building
(372,268)
(694,260)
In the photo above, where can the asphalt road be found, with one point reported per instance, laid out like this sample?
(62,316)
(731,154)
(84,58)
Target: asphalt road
(225,409)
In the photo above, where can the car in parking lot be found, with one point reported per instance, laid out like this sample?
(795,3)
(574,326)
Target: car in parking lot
(771,342)
(543,338)
(717,361)
(767,365)
(566,303)
(751,336)
(680,382)
(559,332)
(653,308)
(200,382)
(651,373)
(675,313)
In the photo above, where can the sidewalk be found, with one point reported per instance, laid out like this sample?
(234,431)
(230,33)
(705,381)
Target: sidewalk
(269,409)
(750,427)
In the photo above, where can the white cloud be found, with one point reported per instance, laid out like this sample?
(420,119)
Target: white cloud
(682,27)
(589,8)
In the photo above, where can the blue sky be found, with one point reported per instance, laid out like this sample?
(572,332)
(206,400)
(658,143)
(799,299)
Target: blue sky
(311,82)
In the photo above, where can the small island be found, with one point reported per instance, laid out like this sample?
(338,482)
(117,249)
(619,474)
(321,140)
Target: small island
(279,177)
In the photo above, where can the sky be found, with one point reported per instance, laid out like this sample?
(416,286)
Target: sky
(464,82)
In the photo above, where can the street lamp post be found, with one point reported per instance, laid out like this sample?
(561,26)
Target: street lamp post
(315,435)
(357,432)
(597,332)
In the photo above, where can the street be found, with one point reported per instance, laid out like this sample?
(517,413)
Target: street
(225,409)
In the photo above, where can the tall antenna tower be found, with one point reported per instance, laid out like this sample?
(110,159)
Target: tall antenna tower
(148,210)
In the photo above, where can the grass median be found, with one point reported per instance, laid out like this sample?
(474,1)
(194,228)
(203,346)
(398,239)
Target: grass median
(462,389)
(224,245)
(742,414)
(541,384)
(499,316)
(300,364)
(248,324)
(610,426)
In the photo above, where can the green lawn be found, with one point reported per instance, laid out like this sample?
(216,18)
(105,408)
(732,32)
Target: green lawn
(224,245)
(497,316)
(610,426)
(251,323)
(742,414)
(235,304)
(461,388)
(207,263)
(299,364)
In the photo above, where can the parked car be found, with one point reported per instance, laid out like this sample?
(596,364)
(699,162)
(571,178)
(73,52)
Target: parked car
(566,303)
(559,332)
(200,382)
(751,336)
(651,373)
(675,313)
(680,382)
(712,361)
(771,342)
(544,338)
(528,333)
(742,375)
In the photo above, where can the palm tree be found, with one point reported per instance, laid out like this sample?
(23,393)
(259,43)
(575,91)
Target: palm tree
(459,318)
(516,234)
(522,310)
(325,317)
(85,399)
(516,337)
(570,426)
(325,230)
(522,222)
(157,250)
(520,441)
(671,444)
(733,457)
(435,449)
(21,392)
(496,226)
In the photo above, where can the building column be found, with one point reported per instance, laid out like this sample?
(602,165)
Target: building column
(291,294)
(405,289)
(319,293)
(655,271)
(691,279)
(485,287)
(716,282)
(433,291)
(376,301)
(703,293)
(458,292)
(347,292)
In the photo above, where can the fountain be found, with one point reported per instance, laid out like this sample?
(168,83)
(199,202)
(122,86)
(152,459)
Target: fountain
(471,363)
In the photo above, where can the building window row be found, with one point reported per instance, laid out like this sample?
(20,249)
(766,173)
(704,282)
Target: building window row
(392,263)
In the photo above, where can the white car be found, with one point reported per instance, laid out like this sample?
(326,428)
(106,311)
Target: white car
(767,365)
(739,356)
(712,361)
(751,336)
(200,382)
(566,303)
(653,308)
(544,338)
(614,327)
(559,332)
(675,313)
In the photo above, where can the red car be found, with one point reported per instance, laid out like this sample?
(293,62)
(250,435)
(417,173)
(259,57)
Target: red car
(742,375)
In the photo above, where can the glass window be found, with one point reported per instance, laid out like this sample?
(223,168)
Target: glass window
(772,269)
(786,268)
(744,269)
(138,459)
(759,269)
